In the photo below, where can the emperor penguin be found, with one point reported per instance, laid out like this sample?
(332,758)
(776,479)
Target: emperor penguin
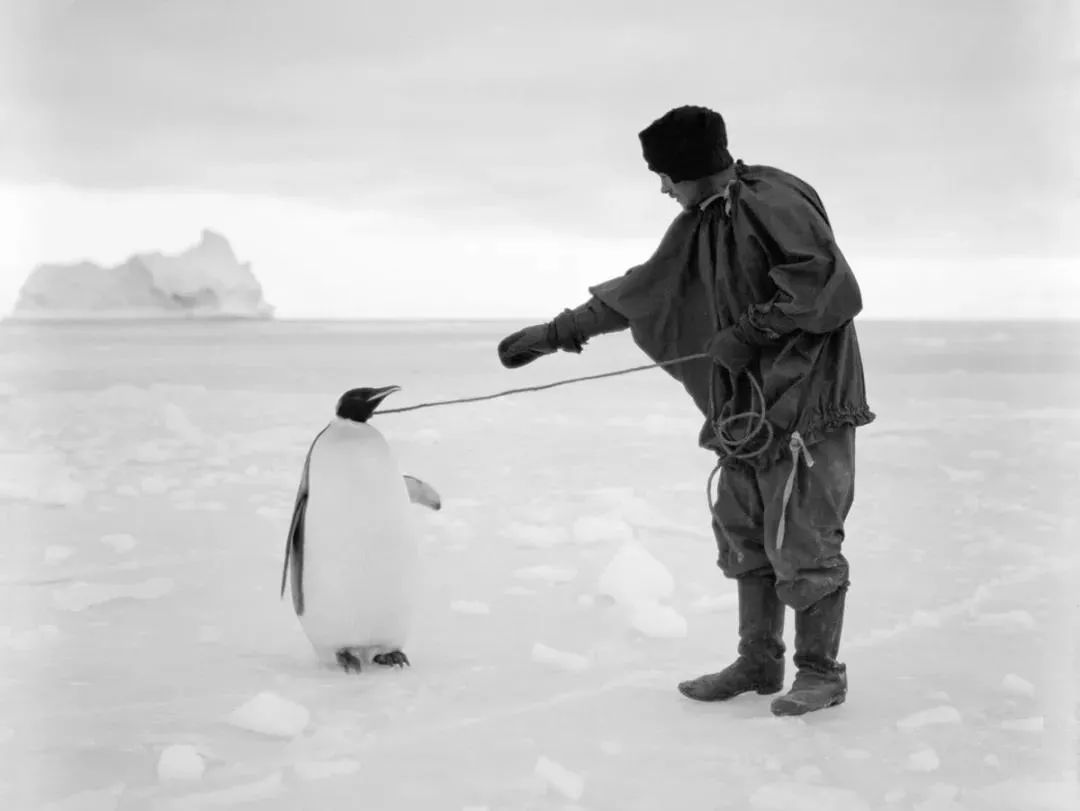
(352,547)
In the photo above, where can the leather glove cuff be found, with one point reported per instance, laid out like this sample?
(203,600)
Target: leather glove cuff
(563,333)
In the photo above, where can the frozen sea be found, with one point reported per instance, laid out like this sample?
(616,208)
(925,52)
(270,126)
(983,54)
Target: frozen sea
(146,479)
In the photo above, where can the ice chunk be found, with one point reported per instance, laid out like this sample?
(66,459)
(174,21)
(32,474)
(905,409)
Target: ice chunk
(6,734)
(992,760)
(531,535)
(550,656)
(925,760)
(611,747)
(590,529)
(270,714)
(937,715)
(1017,685)
(208,634)
(320,770)
(558,777)
(180,762)
(785,796)
(895,795)
(634,575)
(549,574)
(638,512)
(470,607)
(658,621)
(120,541)
(1035,724)
(58,554)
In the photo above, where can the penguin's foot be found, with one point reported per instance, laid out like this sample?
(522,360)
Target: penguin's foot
(394,658)
(348,660)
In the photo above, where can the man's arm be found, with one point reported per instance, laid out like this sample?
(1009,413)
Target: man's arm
(816,289)
(573,328)
(569,331)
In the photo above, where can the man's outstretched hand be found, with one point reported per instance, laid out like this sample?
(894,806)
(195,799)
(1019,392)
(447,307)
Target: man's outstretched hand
(526,345)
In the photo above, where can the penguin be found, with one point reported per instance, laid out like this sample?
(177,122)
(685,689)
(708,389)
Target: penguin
(352,548)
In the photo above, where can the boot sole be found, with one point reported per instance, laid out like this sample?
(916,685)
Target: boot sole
(761,691)
(803,709)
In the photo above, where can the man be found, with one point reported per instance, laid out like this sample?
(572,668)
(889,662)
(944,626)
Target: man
(750,274)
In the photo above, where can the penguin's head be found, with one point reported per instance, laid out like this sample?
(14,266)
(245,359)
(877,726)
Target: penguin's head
(359,404)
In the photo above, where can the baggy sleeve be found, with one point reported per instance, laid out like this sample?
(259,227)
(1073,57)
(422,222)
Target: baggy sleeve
(574,328)
(637,294)
(816,288)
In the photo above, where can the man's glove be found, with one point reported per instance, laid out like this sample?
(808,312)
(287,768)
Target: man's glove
(730,349)
(526,345)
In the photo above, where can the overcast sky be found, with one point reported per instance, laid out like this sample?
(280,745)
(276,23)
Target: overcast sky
(481,158)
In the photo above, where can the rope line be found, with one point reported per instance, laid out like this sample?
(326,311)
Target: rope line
(543,386)
(728,447)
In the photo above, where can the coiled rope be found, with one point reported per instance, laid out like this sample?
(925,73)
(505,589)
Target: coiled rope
(724,442)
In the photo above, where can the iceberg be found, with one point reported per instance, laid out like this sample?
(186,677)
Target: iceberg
(204,281)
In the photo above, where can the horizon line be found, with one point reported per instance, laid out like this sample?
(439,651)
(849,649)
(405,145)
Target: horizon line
(203,319)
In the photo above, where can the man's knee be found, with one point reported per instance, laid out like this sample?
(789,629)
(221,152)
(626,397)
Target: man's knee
(739,552)
(802,588)
(809,565)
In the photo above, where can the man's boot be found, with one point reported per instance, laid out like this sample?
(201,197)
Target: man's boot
(821,681)
(760,665)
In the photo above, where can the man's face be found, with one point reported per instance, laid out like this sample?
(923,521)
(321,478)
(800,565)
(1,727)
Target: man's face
(677,191)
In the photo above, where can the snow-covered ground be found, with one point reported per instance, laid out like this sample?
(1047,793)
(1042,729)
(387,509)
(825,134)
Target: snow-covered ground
(146,478)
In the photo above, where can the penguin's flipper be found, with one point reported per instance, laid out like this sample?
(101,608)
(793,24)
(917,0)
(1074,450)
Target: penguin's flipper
(294,543)
(420,492)
(294,549)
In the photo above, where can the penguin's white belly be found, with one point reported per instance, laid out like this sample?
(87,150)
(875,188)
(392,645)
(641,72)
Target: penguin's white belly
(360,551)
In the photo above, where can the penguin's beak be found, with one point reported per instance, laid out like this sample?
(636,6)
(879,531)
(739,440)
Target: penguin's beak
(380,394)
